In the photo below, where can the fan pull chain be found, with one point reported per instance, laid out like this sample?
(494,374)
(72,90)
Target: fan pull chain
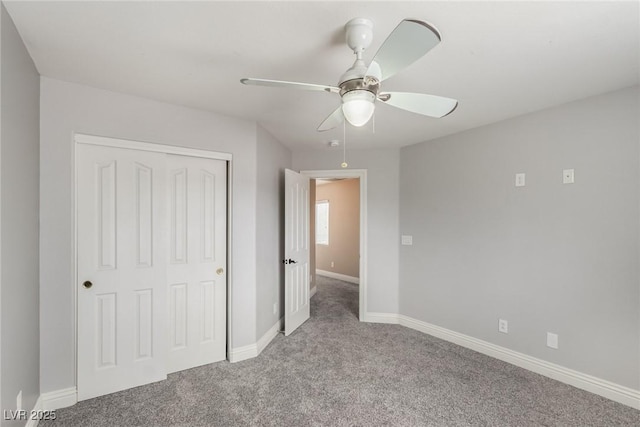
(344,145)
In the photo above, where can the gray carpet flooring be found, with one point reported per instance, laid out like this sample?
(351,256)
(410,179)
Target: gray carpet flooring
(336,371)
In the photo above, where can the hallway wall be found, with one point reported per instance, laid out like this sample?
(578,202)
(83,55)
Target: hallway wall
(343,249)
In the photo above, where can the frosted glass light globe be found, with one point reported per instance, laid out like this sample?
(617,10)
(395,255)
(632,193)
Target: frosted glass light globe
(357,106)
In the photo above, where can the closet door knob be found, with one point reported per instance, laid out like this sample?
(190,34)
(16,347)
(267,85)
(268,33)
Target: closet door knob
(220,271)
(87,284)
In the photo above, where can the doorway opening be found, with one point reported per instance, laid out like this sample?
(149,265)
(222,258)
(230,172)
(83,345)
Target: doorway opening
(338,229)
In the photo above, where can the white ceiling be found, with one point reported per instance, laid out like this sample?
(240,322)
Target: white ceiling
(499,59)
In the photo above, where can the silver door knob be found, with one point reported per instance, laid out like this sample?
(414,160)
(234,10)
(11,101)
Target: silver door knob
(220,271)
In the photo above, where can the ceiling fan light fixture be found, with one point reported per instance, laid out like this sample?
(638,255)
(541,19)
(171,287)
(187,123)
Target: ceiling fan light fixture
(359,87)
(358,106)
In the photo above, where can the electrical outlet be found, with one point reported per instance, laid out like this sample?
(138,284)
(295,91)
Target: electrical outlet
(567,176)
(19,401)
(332,264)
(406,240)
(552,340)
(520,180)
(275,308)
(503,326)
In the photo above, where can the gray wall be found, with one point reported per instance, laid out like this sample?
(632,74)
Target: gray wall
(273,158)
(19,171)
(382,229)
(67,108)
(545,257)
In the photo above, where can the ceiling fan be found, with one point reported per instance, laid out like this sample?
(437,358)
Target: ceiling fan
(359,86)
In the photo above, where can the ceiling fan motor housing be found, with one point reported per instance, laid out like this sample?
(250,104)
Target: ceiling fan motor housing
(359,34)
(359,84)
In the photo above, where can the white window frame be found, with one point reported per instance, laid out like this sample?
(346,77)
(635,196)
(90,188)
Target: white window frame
(318,218)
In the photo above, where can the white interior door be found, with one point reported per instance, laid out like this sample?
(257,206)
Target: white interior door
(121,259)
(296,296)
(196,272)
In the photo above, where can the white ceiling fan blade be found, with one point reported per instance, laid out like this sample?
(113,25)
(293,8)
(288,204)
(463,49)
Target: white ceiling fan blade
(292,85)
(336,118)
(421,103)
(407,43)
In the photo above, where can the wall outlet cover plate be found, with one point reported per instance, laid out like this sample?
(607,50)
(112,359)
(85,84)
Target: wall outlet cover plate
(407,240)
(568,176)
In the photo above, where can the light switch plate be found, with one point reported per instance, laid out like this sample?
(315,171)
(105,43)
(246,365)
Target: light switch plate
(520,180)
(407,240)
(503,326)
(567,176)
(552,340)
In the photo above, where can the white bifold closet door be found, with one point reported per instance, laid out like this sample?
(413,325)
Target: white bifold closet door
(151,263)
(121,253)
(196,271)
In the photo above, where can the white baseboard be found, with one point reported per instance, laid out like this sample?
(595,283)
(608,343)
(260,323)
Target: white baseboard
(381,318)
(268,336)
(253,350)
(239,354)
(37,408)
(58,399)
(313,291)
(339,276)
(604,388)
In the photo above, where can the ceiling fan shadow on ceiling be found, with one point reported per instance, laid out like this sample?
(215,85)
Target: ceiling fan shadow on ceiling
(359,86)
